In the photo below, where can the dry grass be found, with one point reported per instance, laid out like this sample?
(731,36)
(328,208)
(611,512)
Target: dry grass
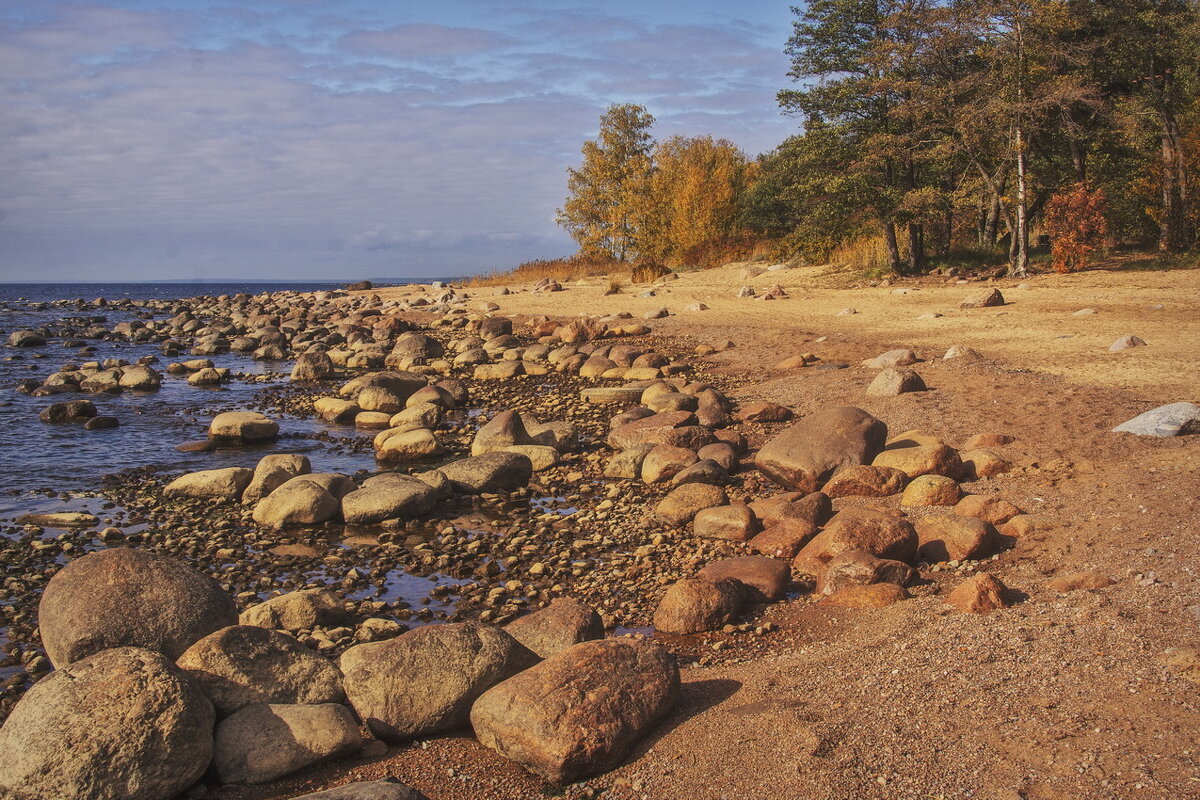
(559,269)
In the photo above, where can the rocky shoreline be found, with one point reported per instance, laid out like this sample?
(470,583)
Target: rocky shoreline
(642,491)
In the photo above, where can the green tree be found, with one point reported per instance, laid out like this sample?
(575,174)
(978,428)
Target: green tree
(605,193)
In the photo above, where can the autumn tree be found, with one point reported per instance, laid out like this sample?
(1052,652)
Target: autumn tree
(604,202)
(695,190)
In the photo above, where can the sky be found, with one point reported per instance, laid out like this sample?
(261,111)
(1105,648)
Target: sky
(316,140)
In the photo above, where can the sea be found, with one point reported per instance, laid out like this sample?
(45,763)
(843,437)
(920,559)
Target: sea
(50,466)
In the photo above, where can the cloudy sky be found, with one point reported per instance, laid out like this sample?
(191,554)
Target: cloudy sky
(315,139)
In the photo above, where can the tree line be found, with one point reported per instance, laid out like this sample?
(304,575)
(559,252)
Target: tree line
(929,129)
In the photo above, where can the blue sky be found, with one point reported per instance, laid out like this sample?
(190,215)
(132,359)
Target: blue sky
(310,139)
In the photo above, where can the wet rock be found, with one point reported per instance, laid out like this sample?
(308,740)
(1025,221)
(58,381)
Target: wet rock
(862,480)
(981,594)
(580,712)
(491,473)
(806,454)
(764,579)
(683,503)
(733,523)
(424,681)
(298,503)
(139,378)
(218,484)
(313,366)
(381,399)
(123,723)
(242,427)
(411,445)
(59,519)
(418,415)
(297,611)
(26,339)
(101,424)
(694,605)
(336,409)
(1173,419)
(273,471)
(860,568)
(262,742)
(502,431)
(68,412)
(563,623)
(245,664)
(388,496)
(881,535)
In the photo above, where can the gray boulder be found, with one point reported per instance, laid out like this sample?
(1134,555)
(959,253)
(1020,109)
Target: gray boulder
(388,496)
(806,454)
(122,724)
(124,597)
(263,742)
(245,664)
(494,472)
(424,681)
(1173,419)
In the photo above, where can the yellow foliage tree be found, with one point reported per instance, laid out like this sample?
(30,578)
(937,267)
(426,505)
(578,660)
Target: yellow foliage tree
(694,195)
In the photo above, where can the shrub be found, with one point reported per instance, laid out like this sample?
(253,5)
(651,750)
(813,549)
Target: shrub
(1076,222)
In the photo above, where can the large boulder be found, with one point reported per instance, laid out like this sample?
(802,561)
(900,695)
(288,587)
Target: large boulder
(124,597)
(388,496)
(693,605)
(806,454)
(763,579)
(242,427)
(950,537)
(494,472)
(412,445)
(403,384)
(862,480)
(124,723)
(679,428)
(580,712)
(245,664)
(298,611)
(1173,419)
(299,503)
(892,382)
(860,568)
(881,535)
(273,471)
(315,366)
(915,453)
(263,742)
(684,502)
(503,431)
(139,378)
(424,682)
(215,484)
(563,623)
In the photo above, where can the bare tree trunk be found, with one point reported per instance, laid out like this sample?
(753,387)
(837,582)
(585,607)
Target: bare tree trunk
(1020,266)
(1172,235)
(889,234)
(916,247)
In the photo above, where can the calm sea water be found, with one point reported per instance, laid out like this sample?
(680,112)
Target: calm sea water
(36,457)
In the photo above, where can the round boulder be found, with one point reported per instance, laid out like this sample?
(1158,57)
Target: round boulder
(124,597)
(124,723)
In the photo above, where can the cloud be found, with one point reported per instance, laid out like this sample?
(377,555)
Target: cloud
(422,40)
(297,142)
